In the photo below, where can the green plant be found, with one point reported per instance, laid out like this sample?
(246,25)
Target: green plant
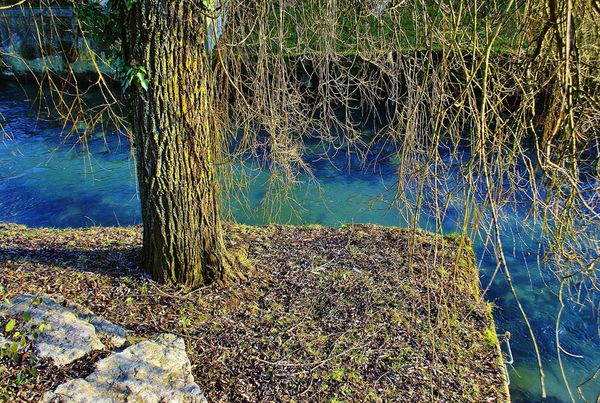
(20,333)
(337,374)
(185,322)
(137,76)
(15,354)
(101,23)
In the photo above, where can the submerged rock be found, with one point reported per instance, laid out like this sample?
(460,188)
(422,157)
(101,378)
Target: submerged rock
(149,371)
(65,338)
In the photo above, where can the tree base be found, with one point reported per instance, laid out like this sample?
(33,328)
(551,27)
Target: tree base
(237,266)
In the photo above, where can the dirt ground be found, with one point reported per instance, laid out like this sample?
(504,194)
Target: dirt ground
(359,313)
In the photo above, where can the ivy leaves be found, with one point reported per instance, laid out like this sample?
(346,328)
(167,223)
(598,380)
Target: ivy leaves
(141,79)
(137,76)
(129,75)
(103,23)
(10,326)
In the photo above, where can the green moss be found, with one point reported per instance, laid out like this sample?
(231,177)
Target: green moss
(337,374)
(454,237)
(490,336)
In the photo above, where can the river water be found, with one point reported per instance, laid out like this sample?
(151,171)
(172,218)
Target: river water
(47,181)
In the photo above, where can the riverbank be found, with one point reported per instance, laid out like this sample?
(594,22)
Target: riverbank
(361,313)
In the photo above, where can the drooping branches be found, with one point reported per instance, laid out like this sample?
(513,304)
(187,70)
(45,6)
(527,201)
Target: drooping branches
(485,105)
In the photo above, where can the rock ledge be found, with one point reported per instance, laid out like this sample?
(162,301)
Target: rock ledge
(149,371)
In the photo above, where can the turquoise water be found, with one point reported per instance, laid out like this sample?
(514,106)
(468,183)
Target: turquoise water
(47,181)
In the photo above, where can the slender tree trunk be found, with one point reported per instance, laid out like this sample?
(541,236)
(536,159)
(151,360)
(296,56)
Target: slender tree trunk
(177,141)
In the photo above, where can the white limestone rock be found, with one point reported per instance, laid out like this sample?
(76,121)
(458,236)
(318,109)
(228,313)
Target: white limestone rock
(114,334)
(149,371)
(65,338)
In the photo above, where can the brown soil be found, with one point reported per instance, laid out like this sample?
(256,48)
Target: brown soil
(359,313)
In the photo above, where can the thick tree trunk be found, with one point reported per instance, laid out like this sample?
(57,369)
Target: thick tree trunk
(177,141)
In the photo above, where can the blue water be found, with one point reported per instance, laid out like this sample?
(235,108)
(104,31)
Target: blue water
(46,180)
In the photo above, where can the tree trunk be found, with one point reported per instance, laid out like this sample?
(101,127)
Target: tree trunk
(177,144)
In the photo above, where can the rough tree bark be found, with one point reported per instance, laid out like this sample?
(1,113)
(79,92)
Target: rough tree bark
(176,144)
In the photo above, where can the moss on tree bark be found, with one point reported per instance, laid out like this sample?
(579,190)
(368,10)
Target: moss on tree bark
(177,145)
